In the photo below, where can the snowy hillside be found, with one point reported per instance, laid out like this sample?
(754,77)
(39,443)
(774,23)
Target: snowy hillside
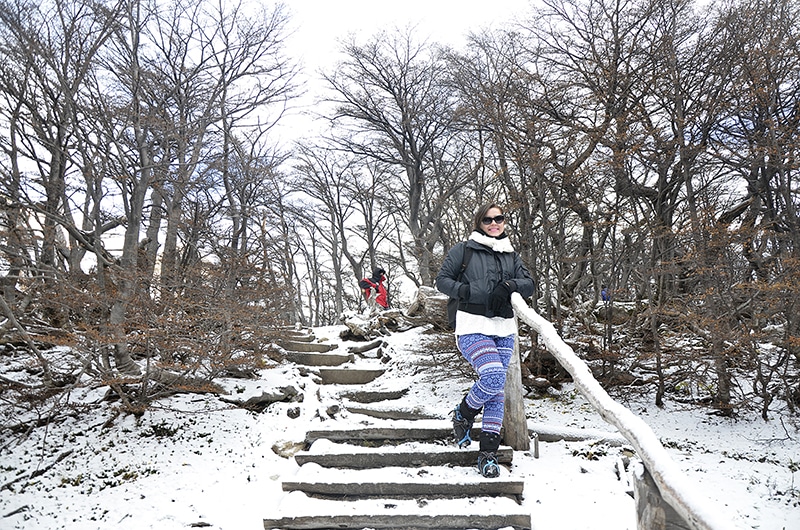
(198,461)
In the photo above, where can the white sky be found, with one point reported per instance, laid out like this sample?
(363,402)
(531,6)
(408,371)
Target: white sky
(320,24)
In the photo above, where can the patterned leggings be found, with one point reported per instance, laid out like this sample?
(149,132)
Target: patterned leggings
(489,356)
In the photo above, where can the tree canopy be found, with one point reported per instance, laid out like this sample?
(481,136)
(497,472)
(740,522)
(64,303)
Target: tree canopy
(649,146)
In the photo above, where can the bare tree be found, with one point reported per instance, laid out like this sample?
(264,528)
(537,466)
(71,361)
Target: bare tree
(49,85)
(51,52)
(328,181)
(757,141)
(390,97)
(585,56)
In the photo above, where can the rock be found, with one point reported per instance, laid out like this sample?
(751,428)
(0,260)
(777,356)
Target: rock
(287,449)
(358,327)
(260,403)
(540,383)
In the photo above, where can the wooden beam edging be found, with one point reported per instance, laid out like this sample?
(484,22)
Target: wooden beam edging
(675,488)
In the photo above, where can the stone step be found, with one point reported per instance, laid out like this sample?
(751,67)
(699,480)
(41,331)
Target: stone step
(486,513)
(401,482)
(413,454)
(319,359)
(349,376)
(294,345)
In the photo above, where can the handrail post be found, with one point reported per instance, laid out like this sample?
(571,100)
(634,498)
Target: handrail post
(652,511)
(515,430)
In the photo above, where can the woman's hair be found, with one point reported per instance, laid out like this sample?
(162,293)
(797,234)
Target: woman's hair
(481,212)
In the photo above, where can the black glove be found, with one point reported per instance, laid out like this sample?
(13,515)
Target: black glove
(463,292)
(501,296)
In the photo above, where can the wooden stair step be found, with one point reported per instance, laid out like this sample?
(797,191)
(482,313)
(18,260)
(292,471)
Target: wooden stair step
(404,455)
(392,489)
(301,346)
(486,513)
(390,414)
(387,482)
(391,430)
(410,521)
(438,429)
(299,336)
(556,433)
(319,359)
(373,396)
(349,376)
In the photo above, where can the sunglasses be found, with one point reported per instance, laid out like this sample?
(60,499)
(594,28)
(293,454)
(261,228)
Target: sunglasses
(497,219)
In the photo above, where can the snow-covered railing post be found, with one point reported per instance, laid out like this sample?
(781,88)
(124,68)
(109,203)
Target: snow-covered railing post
(683,496)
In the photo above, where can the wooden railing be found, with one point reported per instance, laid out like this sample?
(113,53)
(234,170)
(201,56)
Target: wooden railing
(686,506)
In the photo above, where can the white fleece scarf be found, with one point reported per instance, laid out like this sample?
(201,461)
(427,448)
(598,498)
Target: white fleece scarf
(498,245)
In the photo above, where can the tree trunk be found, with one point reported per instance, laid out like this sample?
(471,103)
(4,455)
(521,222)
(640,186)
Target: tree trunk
(722,397)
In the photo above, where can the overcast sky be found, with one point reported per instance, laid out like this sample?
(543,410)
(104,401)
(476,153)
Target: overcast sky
(319,24)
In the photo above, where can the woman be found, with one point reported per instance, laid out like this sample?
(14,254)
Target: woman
(485,327)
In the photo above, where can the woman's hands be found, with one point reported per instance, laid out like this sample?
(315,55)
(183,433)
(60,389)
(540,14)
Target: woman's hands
(501,295)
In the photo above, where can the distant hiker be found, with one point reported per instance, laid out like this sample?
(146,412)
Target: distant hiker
(374,290)
(604,294)
(485,328)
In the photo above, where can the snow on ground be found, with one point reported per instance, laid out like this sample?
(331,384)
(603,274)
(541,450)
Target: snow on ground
(195,461)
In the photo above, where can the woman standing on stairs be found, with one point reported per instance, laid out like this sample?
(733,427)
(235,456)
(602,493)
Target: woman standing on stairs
(482,280)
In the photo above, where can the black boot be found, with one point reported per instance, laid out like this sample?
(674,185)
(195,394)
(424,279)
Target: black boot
(463,418)
(487,458)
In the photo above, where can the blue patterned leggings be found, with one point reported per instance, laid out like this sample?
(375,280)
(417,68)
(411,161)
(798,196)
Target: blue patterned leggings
(489,356)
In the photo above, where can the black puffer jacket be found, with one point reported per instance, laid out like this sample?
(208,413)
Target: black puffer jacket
(485,270)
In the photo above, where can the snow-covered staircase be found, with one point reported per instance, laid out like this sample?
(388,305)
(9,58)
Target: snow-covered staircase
(397,483)
(401,474)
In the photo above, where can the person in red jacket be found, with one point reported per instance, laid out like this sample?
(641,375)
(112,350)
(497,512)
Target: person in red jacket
(374,289)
